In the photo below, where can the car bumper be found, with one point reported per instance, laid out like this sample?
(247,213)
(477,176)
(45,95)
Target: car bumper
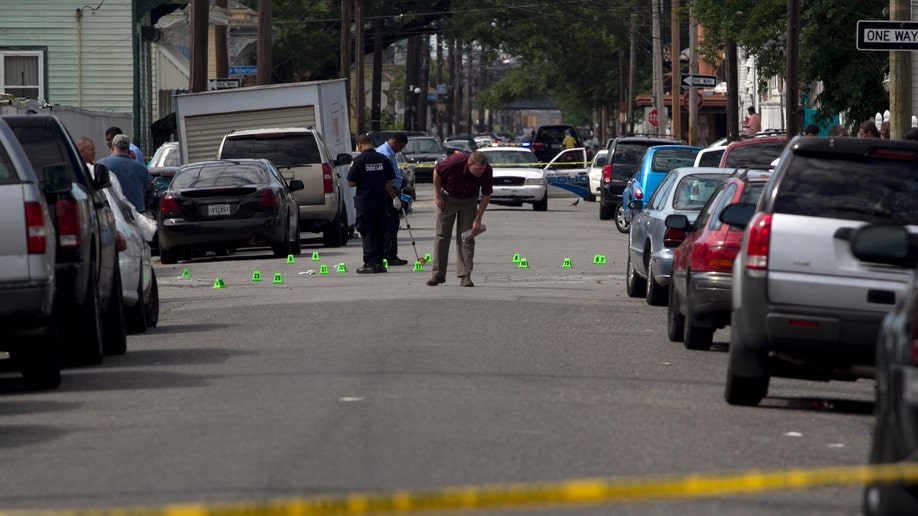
(663,266)
(130,277)
(229,233)
(25,307)
(709,294)
(824,336)
(518,194)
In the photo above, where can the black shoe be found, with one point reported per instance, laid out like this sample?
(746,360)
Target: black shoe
(381,268)
(368,268)
(397,261)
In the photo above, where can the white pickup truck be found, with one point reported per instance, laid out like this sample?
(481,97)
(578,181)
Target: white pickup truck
(28,319)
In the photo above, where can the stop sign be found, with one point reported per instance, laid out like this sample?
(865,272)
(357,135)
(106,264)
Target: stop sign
(685,101)
(653,118)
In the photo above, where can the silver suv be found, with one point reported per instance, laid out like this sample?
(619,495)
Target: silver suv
(28,315)
(803,305)
(301,153)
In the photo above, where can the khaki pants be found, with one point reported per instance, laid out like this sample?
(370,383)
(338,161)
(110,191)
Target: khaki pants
(462,212)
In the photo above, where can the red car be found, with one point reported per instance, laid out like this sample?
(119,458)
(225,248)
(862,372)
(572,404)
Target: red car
(700,290)
(757,151)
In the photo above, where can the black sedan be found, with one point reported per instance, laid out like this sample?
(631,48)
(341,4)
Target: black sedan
(224,205)
(895,434)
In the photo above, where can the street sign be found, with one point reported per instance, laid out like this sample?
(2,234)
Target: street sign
(653,118)
(223,84)
(685,100)
(243,70)
(441,89)
(887,35)
(699,81)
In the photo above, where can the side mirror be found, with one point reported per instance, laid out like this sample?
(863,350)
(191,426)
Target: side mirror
(678,222)
(738,214)
(636,205)
(57,179)
(884,243)
(296,185)
(101,176)
(344,159)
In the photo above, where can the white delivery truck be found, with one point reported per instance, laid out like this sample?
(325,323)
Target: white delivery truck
(204,119)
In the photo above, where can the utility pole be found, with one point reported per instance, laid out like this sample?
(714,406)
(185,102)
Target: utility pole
(376,95)
(631,65)
(438,113)
(676,75)
(900,73)
(793,64)
(693,69)
(200,10)
(221,55)
(731,61)
(263,43)
(346,50)
(658,101)
(360,91)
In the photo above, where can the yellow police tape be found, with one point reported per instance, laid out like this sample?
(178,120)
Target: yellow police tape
(515,496)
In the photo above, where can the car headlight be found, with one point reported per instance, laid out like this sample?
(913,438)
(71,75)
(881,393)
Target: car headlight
(535,181)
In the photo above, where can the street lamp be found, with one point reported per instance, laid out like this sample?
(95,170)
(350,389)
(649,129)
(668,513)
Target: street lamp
(413,102)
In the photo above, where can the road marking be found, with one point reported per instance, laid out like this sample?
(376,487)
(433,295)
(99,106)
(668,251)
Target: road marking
(510,496)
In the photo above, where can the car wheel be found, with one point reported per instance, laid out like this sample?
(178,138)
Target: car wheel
(541,205)
(296,247)
(334,232)
(656,294)
(39,358)
(282,249)
(605,212)
(675,321)
(152,303)
(886,498)
(114,335)
(621,223)
(590,196)
(135,317)
(696,337)
(87,350)
(745,391)
(635,285)
(168,256)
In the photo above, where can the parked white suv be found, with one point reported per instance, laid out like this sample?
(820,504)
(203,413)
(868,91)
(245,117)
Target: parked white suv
(326,203)
(803,305)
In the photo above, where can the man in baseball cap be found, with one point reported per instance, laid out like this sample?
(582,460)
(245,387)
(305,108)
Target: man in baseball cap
(132,176)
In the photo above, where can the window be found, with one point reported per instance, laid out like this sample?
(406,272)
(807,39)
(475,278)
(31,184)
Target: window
(22,73)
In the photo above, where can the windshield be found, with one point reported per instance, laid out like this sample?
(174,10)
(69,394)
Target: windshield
(423,146)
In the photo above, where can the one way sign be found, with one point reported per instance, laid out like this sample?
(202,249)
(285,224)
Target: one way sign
(699,81)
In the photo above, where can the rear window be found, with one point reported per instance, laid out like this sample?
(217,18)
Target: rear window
(281,149)
(217,174)
(7,170)
(760,154)
(423,145)
(695,190)
(43,148)
(555,135)
(711,158)
(665,160)
(865,189)
(505,158)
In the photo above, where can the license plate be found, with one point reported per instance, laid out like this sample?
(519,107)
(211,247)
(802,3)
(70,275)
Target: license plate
(215,210)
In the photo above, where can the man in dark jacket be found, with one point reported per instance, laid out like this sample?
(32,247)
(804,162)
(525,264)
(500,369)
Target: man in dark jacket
(372,174)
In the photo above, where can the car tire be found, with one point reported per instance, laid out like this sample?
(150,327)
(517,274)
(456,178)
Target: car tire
(675,321)
(39,358)
(656,294)
(884,499)
(114,334)
(152,304)
(135,317)
(333,235)
(696,337)
(605,212)
(168,256)
(296,246)
(745,391)
(541,205)
(590,196)
(87,320)
(635,285)
(621,223)
(282,249)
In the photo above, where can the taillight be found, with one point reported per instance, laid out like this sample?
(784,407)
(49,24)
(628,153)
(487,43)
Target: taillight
(638,193)
(168,206)
(327,177)
(606,174)
(757,243)
(68,223)
(267,202)
(36,232)
(537,146)
(718,258)
(673,237)
(120,242)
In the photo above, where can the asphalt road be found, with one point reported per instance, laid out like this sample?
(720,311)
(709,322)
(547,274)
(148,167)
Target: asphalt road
(339,383)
